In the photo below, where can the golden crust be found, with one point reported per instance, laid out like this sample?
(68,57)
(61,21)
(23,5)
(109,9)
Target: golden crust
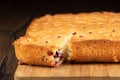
(93,51)
(31,54)
(96,32)
(103,29)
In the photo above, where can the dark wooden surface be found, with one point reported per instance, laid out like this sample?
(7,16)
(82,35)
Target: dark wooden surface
(8,60)
(15,17)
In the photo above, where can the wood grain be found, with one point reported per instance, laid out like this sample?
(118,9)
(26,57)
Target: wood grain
(14,18)
(8,61)
(89,70)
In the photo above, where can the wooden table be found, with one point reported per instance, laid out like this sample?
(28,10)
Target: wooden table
(89,71)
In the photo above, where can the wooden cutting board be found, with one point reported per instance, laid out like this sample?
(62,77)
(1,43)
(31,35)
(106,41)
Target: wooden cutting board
(86,71)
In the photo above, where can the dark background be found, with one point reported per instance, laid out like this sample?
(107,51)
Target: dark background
(15,16)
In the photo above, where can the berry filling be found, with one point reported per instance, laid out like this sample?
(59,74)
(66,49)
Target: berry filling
(58,57)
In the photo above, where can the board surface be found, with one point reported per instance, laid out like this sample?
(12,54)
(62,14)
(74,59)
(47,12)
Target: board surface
(69,72)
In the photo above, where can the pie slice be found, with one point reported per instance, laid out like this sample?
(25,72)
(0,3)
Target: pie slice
(44,43)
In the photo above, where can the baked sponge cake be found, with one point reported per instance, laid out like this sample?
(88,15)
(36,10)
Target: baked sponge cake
(45,43)
(84,37)
(98,41)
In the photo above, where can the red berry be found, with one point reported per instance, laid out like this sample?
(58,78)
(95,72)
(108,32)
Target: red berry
(58,36)
(80,36)
(74,33)
(50,53)
(90,32)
